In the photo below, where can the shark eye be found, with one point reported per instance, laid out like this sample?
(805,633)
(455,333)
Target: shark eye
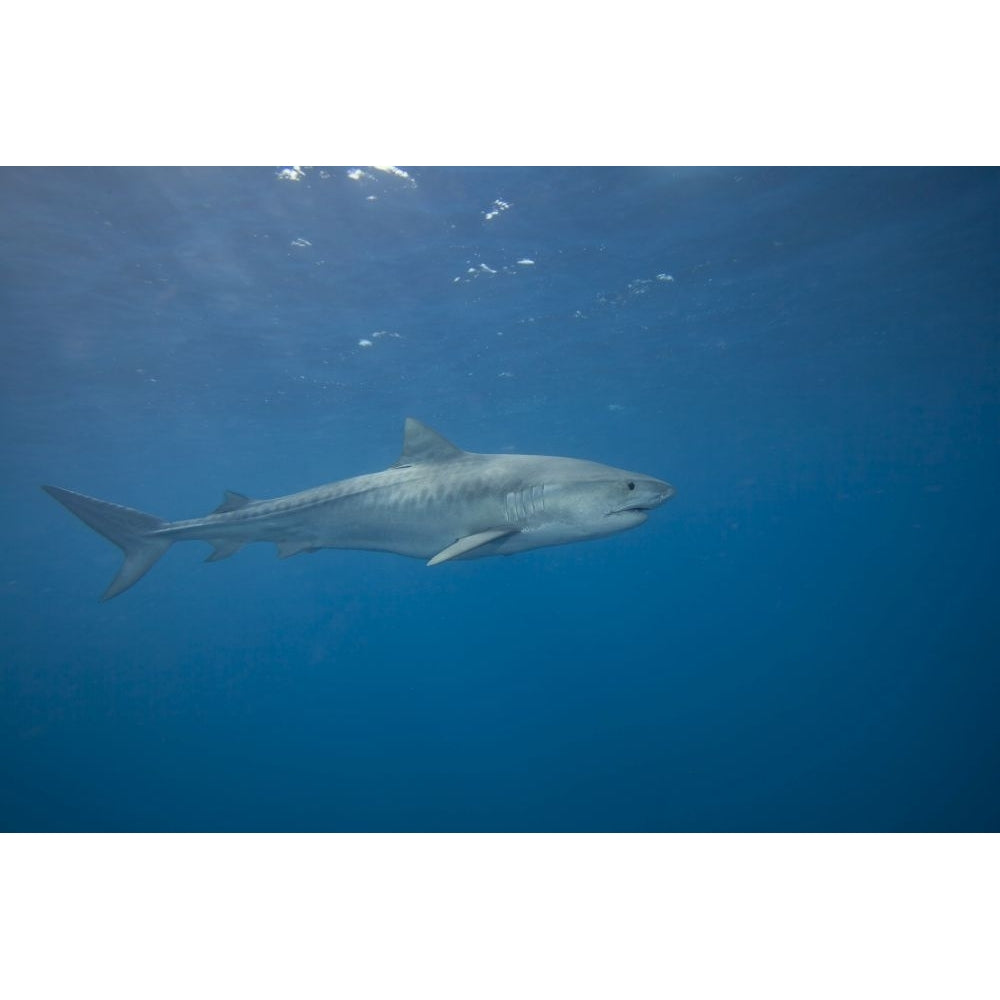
(630,485)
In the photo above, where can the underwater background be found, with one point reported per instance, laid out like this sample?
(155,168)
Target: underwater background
(804,638)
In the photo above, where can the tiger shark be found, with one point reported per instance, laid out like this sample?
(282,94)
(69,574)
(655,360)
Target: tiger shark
(437,503)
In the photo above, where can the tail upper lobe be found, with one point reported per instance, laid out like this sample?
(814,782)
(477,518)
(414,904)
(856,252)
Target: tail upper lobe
(131,530)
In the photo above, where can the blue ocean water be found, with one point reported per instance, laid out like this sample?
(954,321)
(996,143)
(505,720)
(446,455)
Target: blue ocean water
(804,638)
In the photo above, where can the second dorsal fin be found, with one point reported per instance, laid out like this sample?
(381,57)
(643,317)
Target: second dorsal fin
(231,501)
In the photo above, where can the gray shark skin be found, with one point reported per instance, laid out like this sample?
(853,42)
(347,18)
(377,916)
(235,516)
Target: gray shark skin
(436,503)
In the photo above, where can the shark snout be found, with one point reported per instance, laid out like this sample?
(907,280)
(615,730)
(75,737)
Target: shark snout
(657,492)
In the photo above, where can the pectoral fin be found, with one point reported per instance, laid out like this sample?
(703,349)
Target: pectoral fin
(468,543)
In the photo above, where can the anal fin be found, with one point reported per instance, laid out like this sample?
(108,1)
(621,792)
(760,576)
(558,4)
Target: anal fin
(224,549)
(286,549)
(468,543)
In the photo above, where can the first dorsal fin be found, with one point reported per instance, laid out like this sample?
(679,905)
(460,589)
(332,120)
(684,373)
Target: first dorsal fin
(421,444)
(231,501)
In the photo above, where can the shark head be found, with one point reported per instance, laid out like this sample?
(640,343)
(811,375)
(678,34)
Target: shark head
(630,499)
(589,500)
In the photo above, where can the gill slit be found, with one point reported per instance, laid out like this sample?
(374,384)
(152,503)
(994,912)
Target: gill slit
(521,505)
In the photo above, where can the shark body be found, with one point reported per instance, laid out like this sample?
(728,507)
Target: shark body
(437,503)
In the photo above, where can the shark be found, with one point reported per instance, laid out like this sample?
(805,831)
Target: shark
(437,503)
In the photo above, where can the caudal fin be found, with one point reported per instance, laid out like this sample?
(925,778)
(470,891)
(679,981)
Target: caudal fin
(131,530)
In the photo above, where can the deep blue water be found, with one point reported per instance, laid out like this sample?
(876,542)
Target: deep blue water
(804,638)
